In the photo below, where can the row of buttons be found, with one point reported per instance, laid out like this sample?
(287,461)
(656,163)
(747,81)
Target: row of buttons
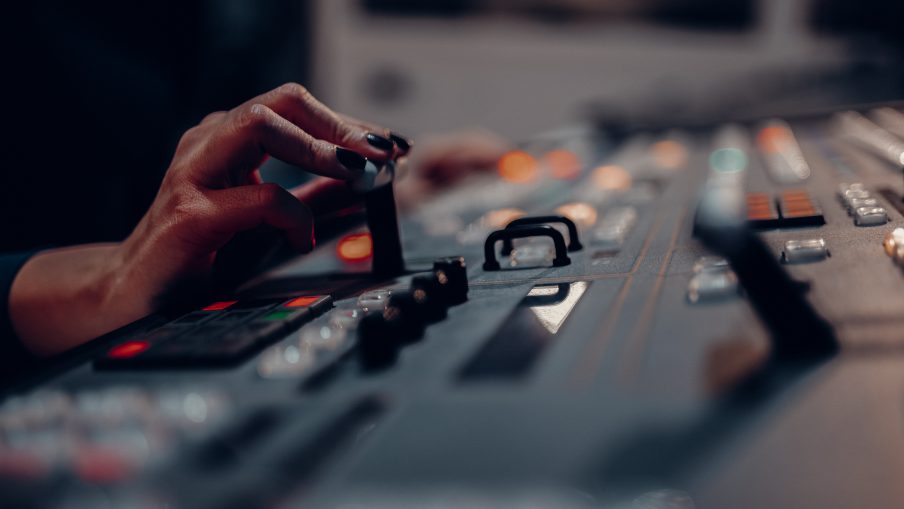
(794,208)
(864,208)
(102,435)
(223,333)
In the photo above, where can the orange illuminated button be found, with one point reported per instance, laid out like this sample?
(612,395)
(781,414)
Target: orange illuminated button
(797,208)
(128,349)
(302,302)
(761,211)
(219,306)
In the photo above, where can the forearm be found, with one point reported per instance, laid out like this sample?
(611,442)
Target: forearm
(64,297)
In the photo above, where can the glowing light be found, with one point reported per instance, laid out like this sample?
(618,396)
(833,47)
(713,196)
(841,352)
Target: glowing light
(356,247)
(772,138)
(562,164)
(669,154)
(611,177)
(219,306)
(128,349)
(728,160)
(500,218)
(518,166)
(581,213)
(301,302)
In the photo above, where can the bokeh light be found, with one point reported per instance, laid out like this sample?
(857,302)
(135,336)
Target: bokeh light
(583,214)
(356,247)
(669,154)
(500,218)
(728,160)
(611,178)
(518,166)
(562,164)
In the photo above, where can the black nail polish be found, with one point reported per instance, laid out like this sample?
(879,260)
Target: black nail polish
(402,142)
(379,141)
(351,160)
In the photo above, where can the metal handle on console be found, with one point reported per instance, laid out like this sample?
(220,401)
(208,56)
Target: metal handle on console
(520,232)
(574,244)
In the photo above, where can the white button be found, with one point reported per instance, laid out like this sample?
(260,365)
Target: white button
(710,264)
(532,254)
(870,216)
(612,230)
(855,194)
(708,286)
(806,250)
(850,185)
(856,203)
(374,300)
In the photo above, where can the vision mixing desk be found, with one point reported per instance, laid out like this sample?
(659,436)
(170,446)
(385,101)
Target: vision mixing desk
(688,318)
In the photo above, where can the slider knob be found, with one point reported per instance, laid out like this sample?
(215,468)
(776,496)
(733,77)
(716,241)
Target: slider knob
(427,294)
(451,275)
(404,317)
(377,346)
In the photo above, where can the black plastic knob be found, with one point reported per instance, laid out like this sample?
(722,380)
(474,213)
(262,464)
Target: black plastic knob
(404,317)
(451,274)
(427,294)
(377,346)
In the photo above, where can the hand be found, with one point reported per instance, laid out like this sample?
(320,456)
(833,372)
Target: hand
(211,191)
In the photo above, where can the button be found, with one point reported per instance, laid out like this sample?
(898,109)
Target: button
(761,211)
(532,254)
(288,317)
(219,306)
(797,208)
(194,318)
(614,228)
(894,245)
(452,275)
(427,295)
(870,216)
(374,300)
(854,194)
(806,250)
(711,264)
(857,203)
(128,349)
(713,279)
(315,303)
(404,316)
(377,347)
(233,317)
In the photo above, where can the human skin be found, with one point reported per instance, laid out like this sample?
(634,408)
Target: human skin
(211,191)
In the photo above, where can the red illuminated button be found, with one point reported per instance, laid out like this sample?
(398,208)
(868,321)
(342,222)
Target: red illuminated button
(301,302)
(128,349)
(219,306)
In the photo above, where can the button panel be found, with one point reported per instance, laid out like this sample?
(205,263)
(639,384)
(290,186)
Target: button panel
(793,208)
(228,336)
(861,205)
(798,208)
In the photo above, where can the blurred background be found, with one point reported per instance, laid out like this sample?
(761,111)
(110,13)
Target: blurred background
(97,93)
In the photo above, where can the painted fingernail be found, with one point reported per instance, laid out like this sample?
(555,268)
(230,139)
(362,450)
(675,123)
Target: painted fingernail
(402,142)
(351,160)
(379,141)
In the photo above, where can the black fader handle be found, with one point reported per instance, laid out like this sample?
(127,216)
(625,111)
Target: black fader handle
(574,244)
(519,232)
